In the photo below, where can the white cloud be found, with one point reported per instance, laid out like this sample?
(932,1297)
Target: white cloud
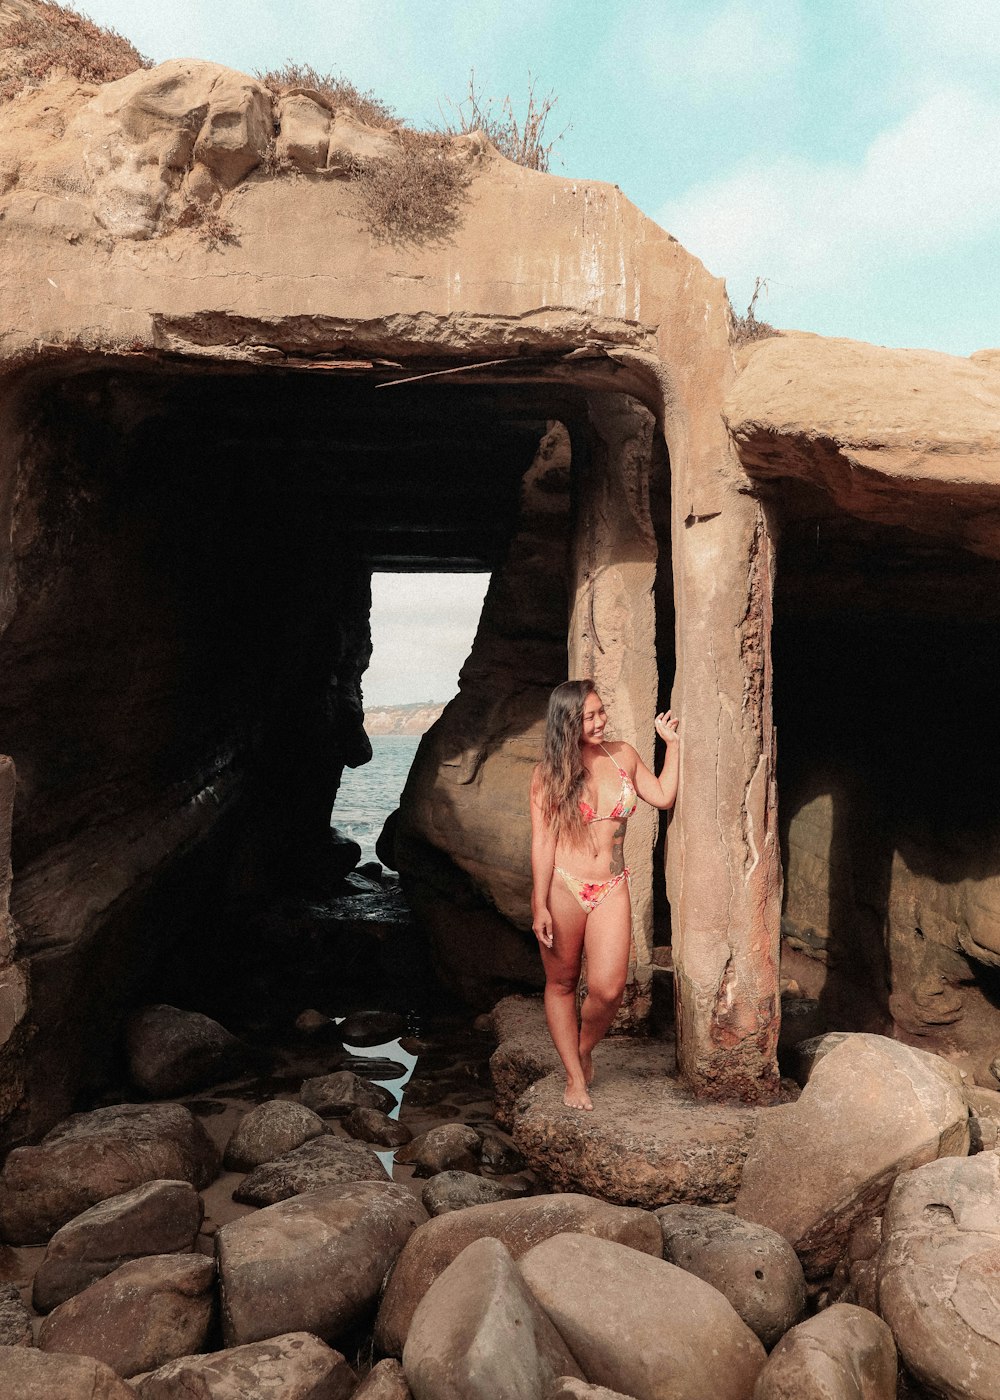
(423,627)
(926,186)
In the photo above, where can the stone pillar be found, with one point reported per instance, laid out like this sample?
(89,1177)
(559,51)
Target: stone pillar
(612,634)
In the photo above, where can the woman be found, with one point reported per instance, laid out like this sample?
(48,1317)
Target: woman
(582,795)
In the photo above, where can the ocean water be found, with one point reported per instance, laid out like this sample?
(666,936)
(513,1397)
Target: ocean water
(368,794)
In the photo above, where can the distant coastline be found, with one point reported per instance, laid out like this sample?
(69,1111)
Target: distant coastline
(415,718)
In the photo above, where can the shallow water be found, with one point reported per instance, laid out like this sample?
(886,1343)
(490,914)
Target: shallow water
(367,795)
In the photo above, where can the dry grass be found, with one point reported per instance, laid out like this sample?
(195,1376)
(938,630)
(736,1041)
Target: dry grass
(522,141)
(337,90)
(416,195)
(55,38)
(747,328)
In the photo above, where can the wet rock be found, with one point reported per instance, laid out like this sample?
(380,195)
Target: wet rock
(756,1269)
(171,1051)
(453,1190)
(566,1388)
(15,1320)
(498,1156)
(872,1108)
(519,1226)
(372,1027)
(447,1147)
(91,1156)
(313,1023)
(609,1302)
(478,1333)
(937,1274)
(295,1366)
(386,1381)
(334,1095)
(314,1263)
(650,1142)
(145,1313)
(268,1131)
(843,1353)
(324,1161)
(371,1125)
(27,1374)
(160,1217)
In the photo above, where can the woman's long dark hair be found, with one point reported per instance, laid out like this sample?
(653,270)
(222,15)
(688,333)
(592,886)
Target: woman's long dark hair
(561,774)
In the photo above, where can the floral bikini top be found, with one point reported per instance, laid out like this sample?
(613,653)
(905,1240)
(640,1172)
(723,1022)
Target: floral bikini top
(623,808)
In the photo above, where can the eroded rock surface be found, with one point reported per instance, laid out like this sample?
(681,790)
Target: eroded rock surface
(27,1374)
(296,1366)
(171,1051)
(323,1161)
(92,1156)
(335,1095)
(872,1108)
(268,1131)
(15,1320)
(456,1190)
(843,1353)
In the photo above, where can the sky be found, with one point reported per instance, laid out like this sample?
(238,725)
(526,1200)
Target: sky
(846,152)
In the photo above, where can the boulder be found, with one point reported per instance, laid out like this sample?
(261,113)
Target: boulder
(91,1156)
(145,1313)
(937,1274)
(15,1320)
(26,1374)
(459,1190)
(386,1381)
(525,1053)
(844,1353)
(855,1279)
(268,1131)
(324,1161)
(447,1147)
(756,1269)
(171,1051)
(566,1388)
(334,1095)
(296,1366)
(872,1108)
(984,1118)
(519,1226)
(478,1334)
(159,1217)
(498,1156)
(609,1304)
(314,1263)
(372,1027)
(372,1125)
(304,133)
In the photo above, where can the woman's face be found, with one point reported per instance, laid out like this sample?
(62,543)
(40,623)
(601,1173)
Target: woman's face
(594,719)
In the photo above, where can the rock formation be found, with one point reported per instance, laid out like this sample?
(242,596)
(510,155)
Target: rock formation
(223,404)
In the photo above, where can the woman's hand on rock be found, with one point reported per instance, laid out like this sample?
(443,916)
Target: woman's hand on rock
(542,927)
(666,726)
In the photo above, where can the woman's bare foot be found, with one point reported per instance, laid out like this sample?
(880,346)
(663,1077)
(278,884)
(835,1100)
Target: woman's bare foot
(587,1065)
(576,1096)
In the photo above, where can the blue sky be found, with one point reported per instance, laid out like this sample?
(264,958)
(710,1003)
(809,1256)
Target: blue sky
(847,151)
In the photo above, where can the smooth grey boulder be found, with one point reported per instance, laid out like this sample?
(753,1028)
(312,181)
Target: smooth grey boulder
(843,1353)
(159,1217)
(478,1334)
(171,1051)
(612,1307)
(458,1190)
(372,1125)
(323,1161)
(15,1320)
(145,1313)
(871,1108)
(295,1366)
(268,1131)
(447,1147)
(938,1271)
(314,1263)
(519,1226)
(756,1269)
(27,1374)
(386,1381)
(334,1095)
(91,1156)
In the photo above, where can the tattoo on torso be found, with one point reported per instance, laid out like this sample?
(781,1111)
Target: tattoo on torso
(618,848)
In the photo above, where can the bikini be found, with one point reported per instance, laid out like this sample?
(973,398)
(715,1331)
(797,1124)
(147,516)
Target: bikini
(591,893)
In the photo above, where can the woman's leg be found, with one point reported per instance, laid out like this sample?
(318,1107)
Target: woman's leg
(562,973)
(608,940)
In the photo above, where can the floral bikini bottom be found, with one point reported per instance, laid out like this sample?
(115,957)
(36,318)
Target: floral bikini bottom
(591,893)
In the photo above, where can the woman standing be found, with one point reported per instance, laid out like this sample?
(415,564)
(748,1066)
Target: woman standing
(582,795)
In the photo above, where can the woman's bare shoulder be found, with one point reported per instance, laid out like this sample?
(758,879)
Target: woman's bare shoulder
(623,753)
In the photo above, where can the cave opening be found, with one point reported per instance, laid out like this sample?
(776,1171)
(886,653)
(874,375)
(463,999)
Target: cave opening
(183,692)
(886,691)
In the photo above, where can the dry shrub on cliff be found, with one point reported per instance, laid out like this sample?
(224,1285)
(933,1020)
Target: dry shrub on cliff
(49,38)
(337,90)
(747,328)
(416,195)
(524,141)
